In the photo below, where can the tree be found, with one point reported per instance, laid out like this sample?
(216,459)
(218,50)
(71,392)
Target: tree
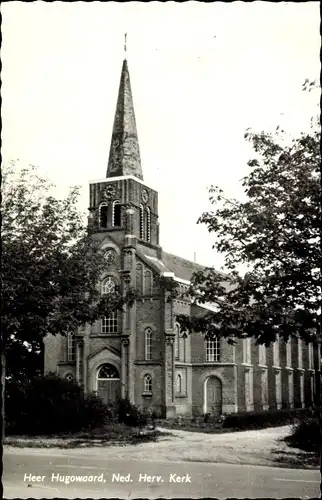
(51,265)
(275,232)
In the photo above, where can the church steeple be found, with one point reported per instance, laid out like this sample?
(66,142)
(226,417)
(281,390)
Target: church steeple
(122,203)
(124,156)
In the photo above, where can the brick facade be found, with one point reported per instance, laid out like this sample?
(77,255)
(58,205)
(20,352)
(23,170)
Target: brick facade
(153,364)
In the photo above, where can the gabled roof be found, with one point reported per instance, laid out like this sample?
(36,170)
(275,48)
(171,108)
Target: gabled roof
(182,268)
(105,348)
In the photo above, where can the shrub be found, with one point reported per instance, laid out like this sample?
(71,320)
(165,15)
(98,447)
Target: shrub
(49,404)
(261,419)
(130,414)
(306,435)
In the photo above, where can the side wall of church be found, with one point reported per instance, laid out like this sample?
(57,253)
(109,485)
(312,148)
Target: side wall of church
(183,369)
(149,316)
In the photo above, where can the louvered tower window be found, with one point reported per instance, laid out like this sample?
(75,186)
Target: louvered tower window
(116,215)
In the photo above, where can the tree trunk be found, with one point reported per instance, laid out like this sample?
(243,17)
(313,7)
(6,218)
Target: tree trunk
(3,382)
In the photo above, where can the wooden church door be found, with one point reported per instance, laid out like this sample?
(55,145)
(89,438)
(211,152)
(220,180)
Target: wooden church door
(214,396)
(108,384)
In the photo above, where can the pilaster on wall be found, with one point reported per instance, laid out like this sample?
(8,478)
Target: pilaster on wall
(168,312)
(249,388)
(263,370)
(80,360)
(128,325)
(85,356)
(169,376)
(125,366)
(169,355)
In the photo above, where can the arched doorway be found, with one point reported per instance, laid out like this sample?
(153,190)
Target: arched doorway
(213,396)
(108,383)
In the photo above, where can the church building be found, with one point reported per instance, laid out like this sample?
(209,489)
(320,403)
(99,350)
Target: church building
(140,353)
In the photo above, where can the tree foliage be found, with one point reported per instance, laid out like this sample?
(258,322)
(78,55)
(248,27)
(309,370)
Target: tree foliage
(275,232)
(51,265)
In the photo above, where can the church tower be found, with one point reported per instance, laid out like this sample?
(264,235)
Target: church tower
(122,203)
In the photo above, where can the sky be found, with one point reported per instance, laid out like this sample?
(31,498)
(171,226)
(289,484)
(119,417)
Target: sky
(201,74)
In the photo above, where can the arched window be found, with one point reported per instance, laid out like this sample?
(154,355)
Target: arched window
(148,344)
(184,346)
(109,324)
(148,224)
(108,285)
(71,348)
(141,222)
(108,371)
(213,349)
(147,383)
(179,384)
(177,341)
(116,213)
(139,277)
(103,214)
(148,282)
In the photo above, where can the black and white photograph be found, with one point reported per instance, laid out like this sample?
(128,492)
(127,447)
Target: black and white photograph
(161,250)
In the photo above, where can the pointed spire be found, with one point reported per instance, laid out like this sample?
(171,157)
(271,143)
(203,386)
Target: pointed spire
(124,156)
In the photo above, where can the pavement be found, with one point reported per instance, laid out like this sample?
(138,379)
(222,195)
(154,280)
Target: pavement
(42,473)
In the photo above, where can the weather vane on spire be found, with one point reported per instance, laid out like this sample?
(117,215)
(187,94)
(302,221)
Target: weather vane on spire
(125,35)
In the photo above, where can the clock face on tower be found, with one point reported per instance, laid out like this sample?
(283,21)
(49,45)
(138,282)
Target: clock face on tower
(109,192)
(145,196)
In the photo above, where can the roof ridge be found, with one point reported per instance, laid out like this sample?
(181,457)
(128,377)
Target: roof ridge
(187,260)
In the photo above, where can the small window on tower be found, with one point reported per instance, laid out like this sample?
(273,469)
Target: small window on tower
(103,214)
(116,217)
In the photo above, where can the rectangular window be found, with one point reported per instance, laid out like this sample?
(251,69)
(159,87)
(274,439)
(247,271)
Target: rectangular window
(148,344)
(109,324)
(247,351)
(312,389)
(262,354)
(71,348)
(289,353)
(213,350)
(311,358)
(302,388)
(300,353)
(276,352)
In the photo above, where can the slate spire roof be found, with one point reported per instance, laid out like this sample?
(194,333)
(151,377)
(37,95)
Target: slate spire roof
(124,156)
